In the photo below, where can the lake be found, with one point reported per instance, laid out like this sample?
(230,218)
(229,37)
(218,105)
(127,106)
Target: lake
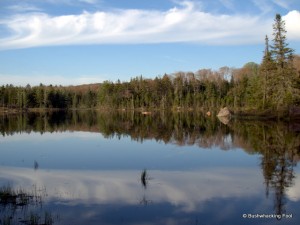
(87,167)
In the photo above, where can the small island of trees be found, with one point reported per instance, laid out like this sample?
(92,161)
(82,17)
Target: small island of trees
(259,89)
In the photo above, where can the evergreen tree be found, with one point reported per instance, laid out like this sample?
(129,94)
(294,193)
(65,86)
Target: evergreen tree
(267,68)
(281,53)
(283,79)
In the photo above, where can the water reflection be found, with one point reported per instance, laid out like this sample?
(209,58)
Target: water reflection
(279,146)
(36,165)
(144,178)
(20,206)
(179,128)
(180,195)
(183,195)
(185,192)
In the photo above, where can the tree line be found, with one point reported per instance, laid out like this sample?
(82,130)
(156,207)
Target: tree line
(272,85)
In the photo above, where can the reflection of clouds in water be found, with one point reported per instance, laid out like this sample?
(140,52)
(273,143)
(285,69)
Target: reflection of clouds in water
(188,189)
(185,190)
(48,136)
(293,193)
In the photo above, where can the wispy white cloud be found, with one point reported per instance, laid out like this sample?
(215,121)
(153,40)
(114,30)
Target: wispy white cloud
(184,23)
(35,80)
(89,1)
(71,2)
(282,3)
(228,4)
(263,5)
(23,7)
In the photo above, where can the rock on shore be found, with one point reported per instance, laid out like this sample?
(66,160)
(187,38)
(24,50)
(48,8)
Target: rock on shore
(224,112)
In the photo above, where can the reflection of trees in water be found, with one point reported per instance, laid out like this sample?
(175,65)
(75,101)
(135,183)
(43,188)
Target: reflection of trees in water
(18,206)
(279,147)
(277,143)
(278,161)
(180,128)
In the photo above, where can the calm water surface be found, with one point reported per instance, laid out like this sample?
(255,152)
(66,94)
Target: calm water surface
(129,168)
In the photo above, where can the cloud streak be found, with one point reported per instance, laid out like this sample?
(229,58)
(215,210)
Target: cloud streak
(47,80)
(184,23)
(23,7)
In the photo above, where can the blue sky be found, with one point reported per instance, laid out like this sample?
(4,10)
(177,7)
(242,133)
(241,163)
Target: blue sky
(69,42)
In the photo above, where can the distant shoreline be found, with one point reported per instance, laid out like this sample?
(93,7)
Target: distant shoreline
(283,114)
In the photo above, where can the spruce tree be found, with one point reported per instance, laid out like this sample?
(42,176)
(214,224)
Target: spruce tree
(281,53)
(267,69)
(283,78)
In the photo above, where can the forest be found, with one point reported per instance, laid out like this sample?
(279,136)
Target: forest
(271,86)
